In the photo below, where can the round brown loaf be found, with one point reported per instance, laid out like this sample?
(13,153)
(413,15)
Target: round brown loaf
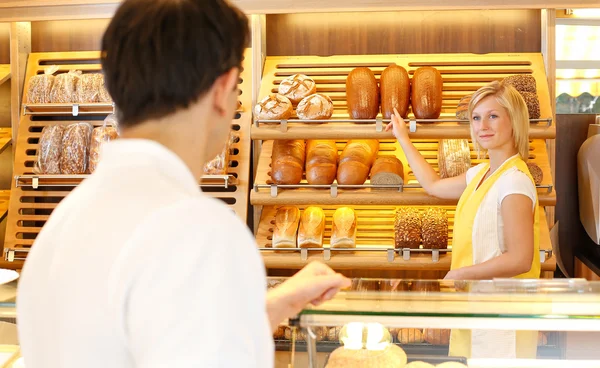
(321,161)
(395,91)
(273,107)
(437,337)
(387,170)
(409,336)
(536,172)
(435,228)
(315,107)
(522,83)
(533,104)
(391,357)
(296,87)
(426,93)
(462,110)
(362,94)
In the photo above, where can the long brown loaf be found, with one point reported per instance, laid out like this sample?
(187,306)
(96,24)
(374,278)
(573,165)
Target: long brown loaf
(356,161)
(435,228)
(75,148)
(286,227)
(426,96)
(387,170)
(312,227)
(362,94)
(287,161)
(321,161)
(395,91)
(343,232)
(407,228)
(50,149)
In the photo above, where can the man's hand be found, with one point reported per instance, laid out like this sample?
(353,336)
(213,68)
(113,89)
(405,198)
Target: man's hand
(314,284)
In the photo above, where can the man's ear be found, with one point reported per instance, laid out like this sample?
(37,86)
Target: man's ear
(224,85)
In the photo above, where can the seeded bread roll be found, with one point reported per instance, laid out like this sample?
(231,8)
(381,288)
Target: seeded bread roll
(387,170)
(533,104)
(536,172)
(343,233)
(296,87)
(462,110)
(407,228)
(522,82)
(437,337)
(89,88)
(286,227)
(273,107)
(454,157)
(315,107)
(434,228)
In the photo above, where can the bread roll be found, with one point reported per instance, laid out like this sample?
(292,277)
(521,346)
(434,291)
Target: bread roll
(279,334)
(75,149)
(362,94)
(296,87)
(454,157)
(287,161)
(311,229)
(462,110)
(387,170)
(273,107)
(407,228)
(315,107)
(391,357)
(426,96)
(522,82)
(533,104)
(286,227)
(356,161)
(434,225)
(321,161)
(409,336)
(343,233)
(536,172)
(50,149)
(437,337)
(419,364)
(395,91)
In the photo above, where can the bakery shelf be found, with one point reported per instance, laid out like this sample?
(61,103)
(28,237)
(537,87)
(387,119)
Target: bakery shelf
(5,138)
(75,109)
(412,194)
(375,240)
(4,72)
(462,74)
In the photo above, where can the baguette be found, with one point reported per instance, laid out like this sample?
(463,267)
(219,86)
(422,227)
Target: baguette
(287,161)
(426,96)
(356,161)
(343,233)
(394,91)
(321,161)
(387,170)
(362,94)
(311,229)
(286,227)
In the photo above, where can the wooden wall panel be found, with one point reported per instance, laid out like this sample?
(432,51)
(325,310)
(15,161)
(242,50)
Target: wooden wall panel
(72,35)
(4,43)
(415,32)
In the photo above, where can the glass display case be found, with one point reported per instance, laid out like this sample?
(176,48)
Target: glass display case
(378,318)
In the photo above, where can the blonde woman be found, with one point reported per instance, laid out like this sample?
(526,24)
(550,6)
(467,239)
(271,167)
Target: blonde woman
(496,222)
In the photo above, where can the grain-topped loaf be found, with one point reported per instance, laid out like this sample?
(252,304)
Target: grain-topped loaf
(407,228)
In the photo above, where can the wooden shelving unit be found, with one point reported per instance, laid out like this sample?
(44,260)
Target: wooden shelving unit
(4,72)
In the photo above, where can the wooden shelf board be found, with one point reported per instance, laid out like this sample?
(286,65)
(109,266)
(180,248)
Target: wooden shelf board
(4,72)
(375,228)
(4,201)
(5,138)
(428,149)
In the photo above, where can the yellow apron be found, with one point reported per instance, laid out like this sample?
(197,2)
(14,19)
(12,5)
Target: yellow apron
(462,252)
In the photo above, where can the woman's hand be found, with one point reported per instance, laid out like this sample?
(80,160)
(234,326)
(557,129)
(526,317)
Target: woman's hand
(398,127)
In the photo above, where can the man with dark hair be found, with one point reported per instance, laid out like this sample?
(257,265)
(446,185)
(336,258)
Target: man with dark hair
(136,267)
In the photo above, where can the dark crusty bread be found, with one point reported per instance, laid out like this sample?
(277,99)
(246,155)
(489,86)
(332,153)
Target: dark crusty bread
(522,82)
(362,94)
(287,161)
(536,172)
(533,104)
(426,93)
(395,91)
(434,223)
(407,228)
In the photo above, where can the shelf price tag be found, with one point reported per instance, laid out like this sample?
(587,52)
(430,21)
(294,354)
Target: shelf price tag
(391,255)
(304,254)
(35,182)
(406,254)
(283,125)
(435,255)
(326,254)
(412,126)
(75,109)
(379,124)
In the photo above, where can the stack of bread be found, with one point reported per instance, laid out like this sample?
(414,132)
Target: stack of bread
(526,85)
(413,227)
(71,87)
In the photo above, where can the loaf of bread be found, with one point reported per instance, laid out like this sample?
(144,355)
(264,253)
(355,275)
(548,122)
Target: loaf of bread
(321,161)
(279,334)
(220,163)
(65,87)
(75,149)
(355,163)
(315,107)
(536,172)
(387,170)
(312,227)
(454,157)
(522,82)
(395,91)
(39,89)
(296,87)
(391,357)
(419,364)
(434,225)
(88,88)
(286,227)
(407,228)
(343,232)
(408,335)
(426,93)
(362,94)
(287,161)
(437,337)
(533,104)
(273,107)
(50,149)
(100,136)
(462,110)
(320,332)
(103,95)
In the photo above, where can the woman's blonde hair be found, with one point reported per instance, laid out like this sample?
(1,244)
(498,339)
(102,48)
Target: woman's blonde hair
(509,98)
